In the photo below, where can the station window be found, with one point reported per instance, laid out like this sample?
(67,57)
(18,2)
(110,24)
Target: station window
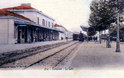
(49,24)
(46,23)
(37,20)
(52,25)
(43,22)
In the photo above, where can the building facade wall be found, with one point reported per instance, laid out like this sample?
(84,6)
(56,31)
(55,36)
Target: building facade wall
(64,34)
(61,36)
(7,31)
(37,17)
(48,22)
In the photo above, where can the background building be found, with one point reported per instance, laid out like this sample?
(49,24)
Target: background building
(65,33)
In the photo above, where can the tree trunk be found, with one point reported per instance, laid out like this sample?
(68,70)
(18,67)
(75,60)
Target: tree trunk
(108,45)
(100,41)
(118,36)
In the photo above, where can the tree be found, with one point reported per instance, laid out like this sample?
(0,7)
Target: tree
(103,14)
(91,31)
(119,6)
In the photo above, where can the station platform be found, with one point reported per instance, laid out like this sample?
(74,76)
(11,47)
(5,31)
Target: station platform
(14,47)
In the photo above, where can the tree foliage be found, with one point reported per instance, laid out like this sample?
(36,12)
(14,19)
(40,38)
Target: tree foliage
(103,13)
(91,31)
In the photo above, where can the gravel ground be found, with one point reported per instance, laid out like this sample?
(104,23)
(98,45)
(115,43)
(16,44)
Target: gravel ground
(53,61)
(97,56)
(20,54)
(87,55)
(94,56)
(13,47)
(35,58)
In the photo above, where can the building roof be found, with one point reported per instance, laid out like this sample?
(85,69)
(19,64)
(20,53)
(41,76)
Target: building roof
(25,7)
(4,12)
(57,25)
(21,7)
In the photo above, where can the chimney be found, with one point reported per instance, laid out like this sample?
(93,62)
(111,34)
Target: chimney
(26,4)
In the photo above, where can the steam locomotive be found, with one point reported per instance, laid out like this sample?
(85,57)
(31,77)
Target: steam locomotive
(79,36)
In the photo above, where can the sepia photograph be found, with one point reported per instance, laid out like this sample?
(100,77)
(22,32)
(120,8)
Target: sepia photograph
(62,38)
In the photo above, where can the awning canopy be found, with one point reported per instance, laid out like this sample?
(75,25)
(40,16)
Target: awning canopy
(24,23)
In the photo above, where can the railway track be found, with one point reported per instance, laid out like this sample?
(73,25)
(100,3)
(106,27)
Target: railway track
(41,55)
(9,57)
(55,59)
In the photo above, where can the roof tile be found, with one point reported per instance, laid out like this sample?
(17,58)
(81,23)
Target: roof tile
(21,7)
(4,12)
(57,25)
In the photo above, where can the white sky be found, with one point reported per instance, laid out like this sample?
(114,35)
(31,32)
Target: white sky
(69,13)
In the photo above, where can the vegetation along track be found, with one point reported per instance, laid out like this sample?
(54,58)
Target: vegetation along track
(9,57)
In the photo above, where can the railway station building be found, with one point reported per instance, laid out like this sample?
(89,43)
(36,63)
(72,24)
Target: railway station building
(65,33)
(25,24)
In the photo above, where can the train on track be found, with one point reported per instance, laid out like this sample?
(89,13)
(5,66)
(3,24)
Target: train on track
(75,36)
(78,36)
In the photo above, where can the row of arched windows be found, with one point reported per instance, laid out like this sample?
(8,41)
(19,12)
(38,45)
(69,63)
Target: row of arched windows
(46,23)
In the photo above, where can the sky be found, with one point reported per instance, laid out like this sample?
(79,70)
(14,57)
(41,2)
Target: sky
(69,13)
